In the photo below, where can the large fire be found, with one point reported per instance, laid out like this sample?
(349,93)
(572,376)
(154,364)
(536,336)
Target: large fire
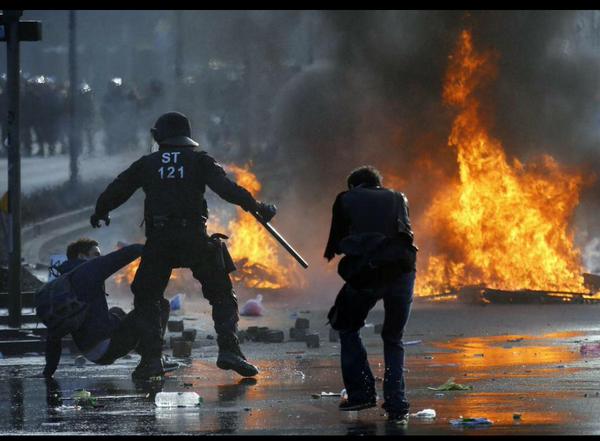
(503,224)
(254,252)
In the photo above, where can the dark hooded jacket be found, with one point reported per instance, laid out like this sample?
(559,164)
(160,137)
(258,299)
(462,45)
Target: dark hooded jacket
(87,280)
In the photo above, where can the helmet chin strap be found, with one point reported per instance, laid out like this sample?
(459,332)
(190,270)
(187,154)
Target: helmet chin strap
(155,134)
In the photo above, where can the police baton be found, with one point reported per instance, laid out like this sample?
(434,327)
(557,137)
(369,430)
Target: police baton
(281,240)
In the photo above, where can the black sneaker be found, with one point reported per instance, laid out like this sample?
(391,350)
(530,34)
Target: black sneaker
(398,418)
(349,405)
(229,360)
(149,370)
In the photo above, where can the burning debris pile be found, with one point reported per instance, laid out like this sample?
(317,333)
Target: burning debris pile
(502,224)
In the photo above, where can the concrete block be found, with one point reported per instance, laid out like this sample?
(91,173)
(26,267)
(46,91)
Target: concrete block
(378,328)
(273,336)
(297,334)
(182,348)
(189,334)
(312,340)
(302,323)
(175,325)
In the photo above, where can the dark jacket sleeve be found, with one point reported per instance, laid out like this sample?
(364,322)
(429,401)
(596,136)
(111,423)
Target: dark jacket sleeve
(340,228)
(217,180)
(121,189)
(99,269)
(53,352)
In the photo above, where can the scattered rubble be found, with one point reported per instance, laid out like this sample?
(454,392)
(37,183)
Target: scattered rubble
(84,398)
(590,349)
(177,302)
(312,340)
(470,422)
(182,348)
(298,334)
(189,334)
(327,394)
(302,323)
(412,342)
(451,385)
(425,414)
(262,334)
(177,399)
(175,325)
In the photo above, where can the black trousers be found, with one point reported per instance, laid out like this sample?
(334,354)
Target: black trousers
(127,336)
(170,248)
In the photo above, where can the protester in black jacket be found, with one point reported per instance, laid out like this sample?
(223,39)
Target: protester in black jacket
(371,227)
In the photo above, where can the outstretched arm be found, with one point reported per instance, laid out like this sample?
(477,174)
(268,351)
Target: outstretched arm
(101,268)
(120,190)
(217,180)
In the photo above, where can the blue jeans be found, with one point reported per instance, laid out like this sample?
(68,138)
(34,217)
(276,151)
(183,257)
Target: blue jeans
(358,379)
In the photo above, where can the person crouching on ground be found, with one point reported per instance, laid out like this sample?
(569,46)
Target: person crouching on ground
(106,334)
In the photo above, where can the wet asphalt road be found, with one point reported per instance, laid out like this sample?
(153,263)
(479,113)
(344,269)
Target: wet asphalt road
(518,358)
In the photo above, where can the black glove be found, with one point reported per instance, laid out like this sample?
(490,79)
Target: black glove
(266,211)
(96,218)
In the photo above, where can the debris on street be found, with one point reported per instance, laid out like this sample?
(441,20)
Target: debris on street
(413,342)
(177,399)
(302,323)
(182,348)
(312,340)
(425,414)
(253,307)
(592,350)
(451,385)
(177,302)
(327,394)
(189,334)
(175,325)
(471,422)
(84,398)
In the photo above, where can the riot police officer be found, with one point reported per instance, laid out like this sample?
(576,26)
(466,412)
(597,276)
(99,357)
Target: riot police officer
(175,213)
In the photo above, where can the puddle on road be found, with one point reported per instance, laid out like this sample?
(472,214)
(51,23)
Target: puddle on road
(483,353)
(279,399)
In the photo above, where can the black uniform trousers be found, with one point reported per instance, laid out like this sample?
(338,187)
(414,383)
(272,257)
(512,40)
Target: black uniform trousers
(178,247)
(126,337)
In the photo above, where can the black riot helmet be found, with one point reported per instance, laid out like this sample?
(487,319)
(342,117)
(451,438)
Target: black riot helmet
(173,128)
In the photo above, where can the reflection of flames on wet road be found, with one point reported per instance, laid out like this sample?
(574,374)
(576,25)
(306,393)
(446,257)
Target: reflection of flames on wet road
(259,261)
(502,223)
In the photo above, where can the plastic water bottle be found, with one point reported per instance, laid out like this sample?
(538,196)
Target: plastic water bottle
(177,399)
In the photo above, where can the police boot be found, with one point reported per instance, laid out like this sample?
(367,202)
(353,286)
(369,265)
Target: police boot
(149,369)
(231,357)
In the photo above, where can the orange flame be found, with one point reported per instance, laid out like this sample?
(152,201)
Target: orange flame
(254,252)
(504,224)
